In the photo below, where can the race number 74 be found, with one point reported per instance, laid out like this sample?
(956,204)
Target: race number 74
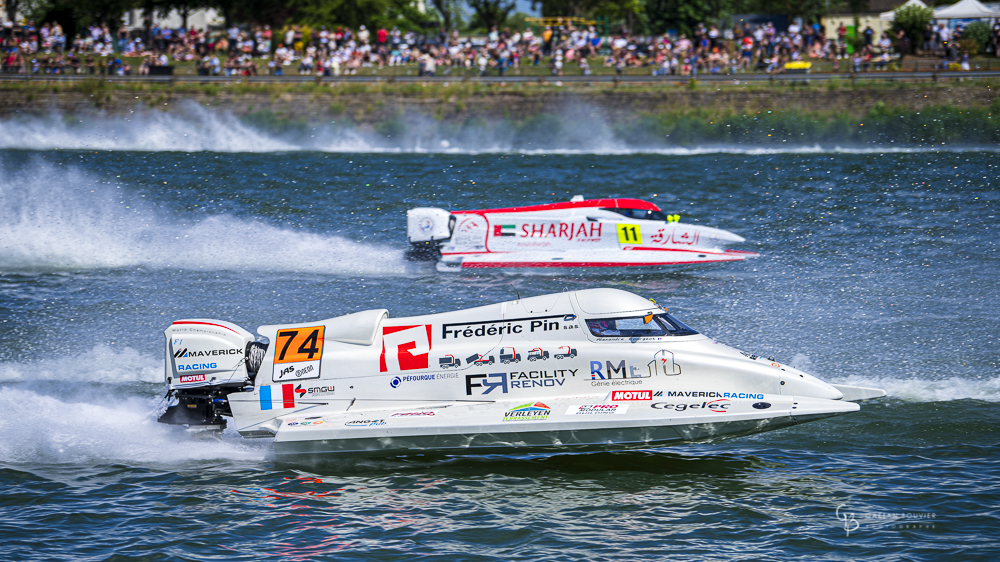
(299,344)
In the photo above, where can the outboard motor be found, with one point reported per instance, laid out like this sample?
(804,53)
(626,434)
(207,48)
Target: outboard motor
(427,228)
(206,360)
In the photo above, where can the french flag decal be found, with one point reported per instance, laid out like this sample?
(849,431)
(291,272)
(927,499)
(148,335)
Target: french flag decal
(287,397)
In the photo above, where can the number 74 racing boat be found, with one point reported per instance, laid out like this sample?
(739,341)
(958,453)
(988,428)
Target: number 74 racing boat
(594,234)
(592,369)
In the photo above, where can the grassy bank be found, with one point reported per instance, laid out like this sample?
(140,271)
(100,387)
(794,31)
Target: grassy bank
(535,115)
(444,88)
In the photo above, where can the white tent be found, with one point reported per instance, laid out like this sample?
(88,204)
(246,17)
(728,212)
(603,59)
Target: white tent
(966,9)
(891,14)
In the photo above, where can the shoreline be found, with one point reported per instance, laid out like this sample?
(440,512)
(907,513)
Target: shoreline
(903,114)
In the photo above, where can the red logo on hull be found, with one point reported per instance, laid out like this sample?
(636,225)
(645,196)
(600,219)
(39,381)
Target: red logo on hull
(405,348)
(629,395)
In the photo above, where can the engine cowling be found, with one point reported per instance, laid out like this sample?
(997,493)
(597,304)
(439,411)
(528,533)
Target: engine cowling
(206,360)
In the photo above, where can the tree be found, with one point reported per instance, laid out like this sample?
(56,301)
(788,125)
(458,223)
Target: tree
(183,7)
(806,9)
(857,7)
(975,36)
(451,13)
(682,15)
(912,20)
(12,7)
(84,12)
(491,13)
(355,13)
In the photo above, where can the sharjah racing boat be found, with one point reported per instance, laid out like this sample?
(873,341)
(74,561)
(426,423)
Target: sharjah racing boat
(580,233)
(591,369)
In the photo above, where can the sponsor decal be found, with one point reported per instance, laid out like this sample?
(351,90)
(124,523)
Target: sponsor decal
(396,381)
(313,391)
(489,382)
(364,423)
(753,357)
(417,414)
(621,370)
(191,378)
(291,372)
(678,235)
(596,409)
(493,328)
(617,382)
(505,230)
(719,406)
(528,412)
(425,225)
(517,380)
(761,405)
(306,423)
(569,231)
(569,318)
(298,353)
(287,399)
(664,364)
(191,353)
(711,394)
(405,348)
(629,395)
(198,367)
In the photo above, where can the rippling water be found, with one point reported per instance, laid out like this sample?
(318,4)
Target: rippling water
(878,268)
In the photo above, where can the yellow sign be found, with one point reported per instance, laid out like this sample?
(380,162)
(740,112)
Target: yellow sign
(629,234)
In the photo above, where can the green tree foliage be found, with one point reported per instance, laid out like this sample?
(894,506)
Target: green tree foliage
(355,13)
(807,9)
(450,12)
(183,7)
(84,12)
(682,15)
(262,12)
(912,20)
(489,13)
(976,35)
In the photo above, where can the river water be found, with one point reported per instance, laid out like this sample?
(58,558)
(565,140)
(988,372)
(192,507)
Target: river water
(878,268)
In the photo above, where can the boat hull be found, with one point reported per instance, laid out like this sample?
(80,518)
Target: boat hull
(442,434)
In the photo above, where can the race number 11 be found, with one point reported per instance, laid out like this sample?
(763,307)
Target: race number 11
(629,234)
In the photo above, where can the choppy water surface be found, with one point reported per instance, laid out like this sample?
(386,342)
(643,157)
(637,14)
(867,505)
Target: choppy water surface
(878,268)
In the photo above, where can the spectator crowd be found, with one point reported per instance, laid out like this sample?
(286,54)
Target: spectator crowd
(337,51)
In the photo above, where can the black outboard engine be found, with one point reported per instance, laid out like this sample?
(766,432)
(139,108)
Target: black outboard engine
(427,228)
(206,361)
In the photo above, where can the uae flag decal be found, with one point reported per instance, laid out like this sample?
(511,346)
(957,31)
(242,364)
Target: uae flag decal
(504,229)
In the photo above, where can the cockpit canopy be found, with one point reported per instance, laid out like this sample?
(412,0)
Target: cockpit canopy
(640,214)
(639,326)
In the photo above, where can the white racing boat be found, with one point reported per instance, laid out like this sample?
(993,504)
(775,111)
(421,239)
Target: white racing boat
(591,369)
(594,234)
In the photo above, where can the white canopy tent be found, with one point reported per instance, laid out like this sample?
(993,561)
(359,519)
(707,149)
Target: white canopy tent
(966,9)
(891,14)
